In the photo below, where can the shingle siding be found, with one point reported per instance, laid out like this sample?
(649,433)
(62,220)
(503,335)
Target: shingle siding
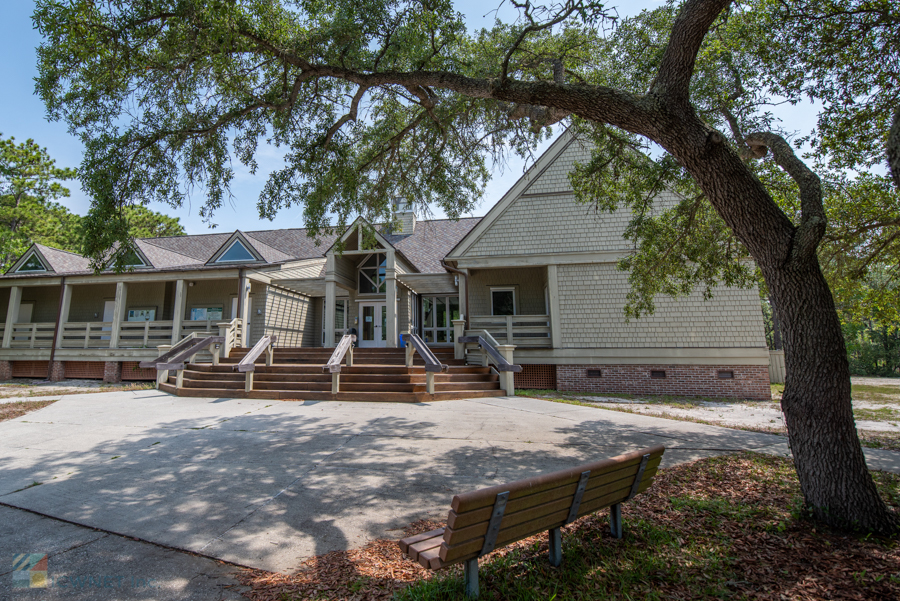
(592,298)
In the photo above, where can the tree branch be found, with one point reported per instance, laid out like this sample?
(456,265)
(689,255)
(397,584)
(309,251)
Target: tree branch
(893,149)
(350,116)
(677,66)
(812,213)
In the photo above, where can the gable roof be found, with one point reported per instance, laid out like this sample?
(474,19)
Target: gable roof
(540,165)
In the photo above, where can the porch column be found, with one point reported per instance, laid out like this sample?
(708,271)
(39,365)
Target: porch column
(463,297)
(245,310)
(12,314)
(553,293)
(118,314)
(330,294)
(178,311)
(390,297)
(65,304)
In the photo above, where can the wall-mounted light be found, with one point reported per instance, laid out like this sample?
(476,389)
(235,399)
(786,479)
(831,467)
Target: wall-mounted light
(259,311)
(190,283)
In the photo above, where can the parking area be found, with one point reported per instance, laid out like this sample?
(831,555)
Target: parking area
(267,484)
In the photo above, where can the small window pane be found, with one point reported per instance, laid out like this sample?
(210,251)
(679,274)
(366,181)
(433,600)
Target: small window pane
(427,313)
(365,284)
(339,315)
(32,264)
(454,308)
(237,252)
(441,336)
(503,302)
(440,313)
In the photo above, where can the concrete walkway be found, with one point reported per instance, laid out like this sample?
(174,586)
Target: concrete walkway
(269,483)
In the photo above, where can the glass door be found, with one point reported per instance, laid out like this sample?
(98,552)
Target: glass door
(372,325)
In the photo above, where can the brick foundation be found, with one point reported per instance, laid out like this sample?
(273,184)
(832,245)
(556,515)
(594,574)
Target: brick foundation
(57,371)
(112,372)
(5,370)
(748,382)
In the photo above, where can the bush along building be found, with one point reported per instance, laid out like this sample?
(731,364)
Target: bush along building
(535,280)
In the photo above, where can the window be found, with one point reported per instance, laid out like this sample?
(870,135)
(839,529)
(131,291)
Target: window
(372,274)
(726,374)
(657,374)
(236,252)
(341,306)
(503,301)
(595,373)
(438,313)
(32,263)
(128,259)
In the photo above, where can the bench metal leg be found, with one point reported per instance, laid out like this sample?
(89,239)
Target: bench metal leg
(555,547)
(615,520)
(472,578)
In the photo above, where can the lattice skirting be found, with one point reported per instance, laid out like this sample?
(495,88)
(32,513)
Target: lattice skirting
(131,371)
(85,370)
(30,369)
(541,377)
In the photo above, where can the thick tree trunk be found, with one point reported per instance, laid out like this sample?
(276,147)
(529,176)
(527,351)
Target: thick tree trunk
(827,454)
(830,464)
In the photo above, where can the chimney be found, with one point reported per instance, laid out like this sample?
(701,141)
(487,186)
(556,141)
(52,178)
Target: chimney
(404,217)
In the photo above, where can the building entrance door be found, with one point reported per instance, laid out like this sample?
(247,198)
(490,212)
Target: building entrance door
(372,325)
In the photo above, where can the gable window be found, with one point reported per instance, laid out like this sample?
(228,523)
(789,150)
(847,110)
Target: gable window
(32,263)
(503,301)
(129,259)
(372,274)
(236,252)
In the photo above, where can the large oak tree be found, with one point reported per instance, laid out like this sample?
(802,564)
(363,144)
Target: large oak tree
(373,99)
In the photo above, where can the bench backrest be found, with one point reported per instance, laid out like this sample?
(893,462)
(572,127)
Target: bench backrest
(530,506)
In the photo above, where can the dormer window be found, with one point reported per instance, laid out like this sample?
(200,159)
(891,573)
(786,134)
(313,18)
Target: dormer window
(372,274)
(128,259)
(237,252)
(31,264)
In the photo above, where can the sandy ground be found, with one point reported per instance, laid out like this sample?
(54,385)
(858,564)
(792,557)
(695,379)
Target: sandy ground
(747,414)
(27,389)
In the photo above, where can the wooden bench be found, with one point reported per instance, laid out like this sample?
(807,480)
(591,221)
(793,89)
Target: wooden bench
(486,519)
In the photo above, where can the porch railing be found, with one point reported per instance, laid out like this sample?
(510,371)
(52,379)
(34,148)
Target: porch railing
(32,335)
(144,334)
(531,331)
(233,333)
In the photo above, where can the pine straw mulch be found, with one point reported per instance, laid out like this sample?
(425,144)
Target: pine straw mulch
(723,527)
(20,408)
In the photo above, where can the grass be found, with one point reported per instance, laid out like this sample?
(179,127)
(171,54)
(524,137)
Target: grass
(875,394)
(20,408)
(16,389)
(729,527)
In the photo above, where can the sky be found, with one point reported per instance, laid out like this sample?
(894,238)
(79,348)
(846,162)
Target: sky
(22,115)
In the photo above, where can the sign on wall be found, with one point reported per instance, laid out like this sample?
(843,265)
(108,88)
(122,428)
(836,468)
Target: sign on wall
(206,313)
(142,314)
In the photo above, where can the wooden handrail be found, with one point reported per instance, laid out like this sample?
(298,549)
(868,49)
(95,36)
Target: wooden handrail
(248,362)
(164,358)
(498,359)
(334,364)
(431,361)
(346,344)
(177,362)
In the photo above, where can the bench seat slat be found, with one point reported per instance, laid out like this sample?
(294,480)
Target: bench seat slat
(420,547)
(485,497)
(545,515)
(472,548)
(411,540)
(431,559)
(457,521)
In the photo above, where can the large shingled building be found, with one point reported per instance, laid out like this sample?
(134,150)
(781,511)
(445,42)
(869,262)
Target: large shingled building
(538,271)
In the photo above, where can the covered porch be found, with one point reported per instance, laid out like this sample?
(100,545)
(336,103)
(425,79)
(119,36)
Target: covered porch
(95,315)
(513,305)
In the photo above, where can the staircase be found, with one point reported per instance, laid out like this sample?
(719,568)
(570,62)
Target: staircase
(378,374)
